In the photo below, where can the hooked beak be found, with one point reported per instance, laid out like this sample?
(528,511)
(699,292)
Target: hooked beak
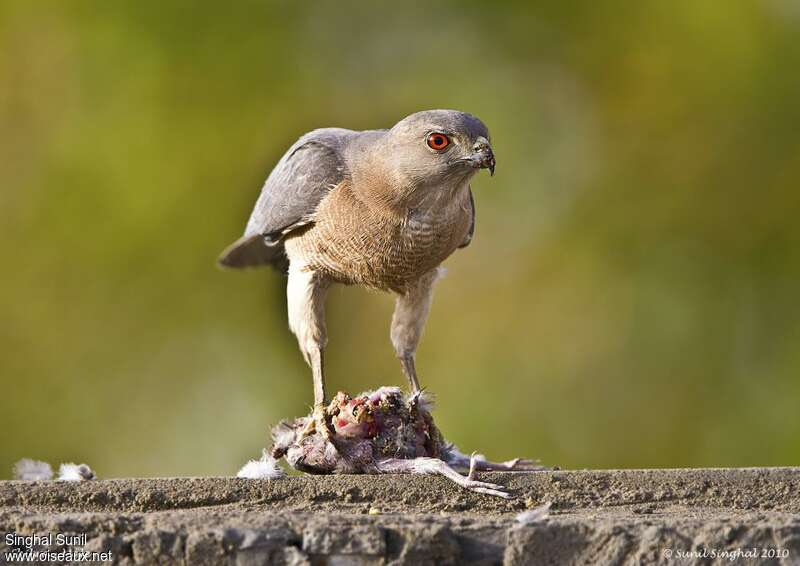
(483,158)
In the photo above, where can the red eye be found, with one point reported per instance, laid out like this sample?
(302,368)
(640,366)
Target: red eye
(438,141)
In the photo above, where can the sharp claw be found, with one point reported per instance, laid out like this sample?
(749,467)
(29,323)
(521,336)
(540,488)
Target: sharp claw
(486,485)
(495,492)
(317,423)
(322,424)
(308,430)
(413,402)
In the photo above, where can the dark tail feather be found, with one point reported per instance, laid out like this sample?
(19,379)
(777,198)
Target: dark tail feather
(251,251)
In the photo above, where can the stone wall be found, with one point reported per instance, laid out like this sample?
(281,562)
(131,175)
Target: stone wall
(597,517)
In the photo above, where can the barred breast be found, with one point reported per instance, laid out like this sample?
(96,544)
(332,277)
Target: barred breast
(354,243)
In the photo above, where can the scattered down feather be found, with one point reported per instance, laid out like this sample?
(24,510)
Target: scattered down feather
(538,514)
(35,470)
(32,470)
(266,468)
(75,472)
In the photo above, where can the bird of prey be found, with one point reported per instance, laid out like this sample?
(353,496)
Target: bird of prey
(377,208)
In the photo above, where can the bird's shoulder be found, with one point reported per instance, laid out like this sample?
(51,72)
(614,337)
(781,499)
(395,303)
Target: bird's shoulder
(310,168)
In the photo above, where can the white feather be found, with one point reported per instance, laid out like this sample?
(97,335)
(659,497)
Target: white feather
(382,392)
(266,468)
(32,470)
(535,515)
(75,472)
(285,433)
(426,401)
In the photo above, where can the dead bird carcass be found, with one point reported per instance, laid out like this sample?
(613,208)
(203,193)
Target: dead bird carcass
(383,432)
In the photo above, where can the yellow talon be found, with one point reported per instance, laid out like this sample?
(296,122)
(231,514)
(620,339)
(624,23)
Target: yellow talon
(317,422)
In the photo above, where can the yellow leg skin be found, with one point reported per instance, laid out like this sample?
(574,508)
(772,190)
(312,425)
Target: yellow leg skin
(318,423)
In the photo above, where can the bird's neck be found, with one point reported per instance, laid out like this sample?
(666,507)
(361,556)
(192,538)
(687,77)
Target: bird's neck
(393,206)
(374,185)
(394,197)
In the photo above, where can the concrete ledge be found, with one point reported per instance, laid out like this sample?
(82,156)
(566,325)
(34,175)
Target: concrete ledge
(617,516)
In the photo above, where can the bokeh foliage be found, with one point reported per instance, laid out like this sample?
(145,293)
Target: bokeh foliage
(630,298)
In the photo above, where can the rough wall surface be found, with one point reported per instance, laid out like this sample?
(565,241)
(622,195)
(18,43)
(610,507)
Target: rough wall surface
(596,517)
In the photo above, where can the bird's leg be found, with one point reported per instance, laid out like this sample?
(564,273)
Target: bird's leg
(410,370)
(319,417)
(478,462)
(436,466)
(306,293)
(410,313)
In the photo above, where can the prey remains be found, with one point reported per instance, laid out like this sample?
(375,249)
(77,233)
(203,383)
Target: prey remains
(384,432)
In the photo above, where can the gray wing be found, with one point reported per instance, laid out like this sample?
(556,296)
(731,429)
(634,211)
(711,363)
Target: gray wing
(471,232)
(301,179)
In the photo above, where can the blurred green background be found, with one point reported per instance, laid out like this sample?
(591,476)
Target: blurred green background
(630,298)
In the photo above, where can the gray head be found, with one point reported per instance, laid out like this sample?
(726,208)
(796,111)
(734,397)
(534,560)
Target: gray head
(437,147)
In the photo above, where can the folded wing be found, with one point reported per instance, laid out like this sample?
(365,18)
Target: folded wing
(301,179)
